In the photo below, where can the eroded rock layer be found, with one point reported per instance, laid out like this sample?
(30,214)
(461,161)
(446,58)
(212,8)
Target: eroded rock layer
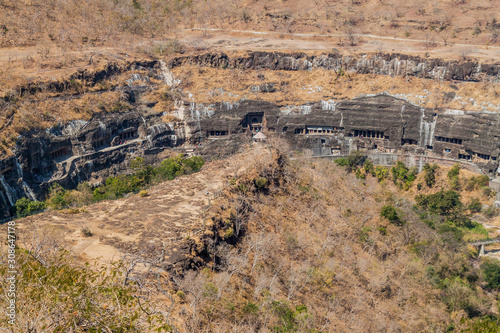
(384,64)
(83,151)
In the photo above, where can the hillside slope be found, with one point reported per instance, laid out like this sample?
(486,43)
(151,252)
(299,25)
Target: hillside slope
(286,246)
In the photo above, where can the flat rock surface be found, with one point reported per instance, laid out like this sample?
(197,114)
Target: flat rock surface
(171,212)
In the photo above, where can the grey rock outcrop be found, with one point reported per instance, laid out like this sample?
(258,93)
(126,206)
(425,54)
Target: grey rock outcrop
(393,64)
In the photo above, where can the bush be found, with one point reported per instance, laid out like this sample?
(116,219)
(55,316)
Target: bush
(229,233)
(391,214)
(369,168)
(360,174)
(57,197)
(250,308)
(381,173)
(430,174)
(181,294)
(475,206)
(440,203)
(454,171)
(382,230)
(143,193)
(261,182)
(455,184)
(491,271)
(402,176)
(86,232)
(25,207)
(341,161)
(488,192)
(355,159)
(476,182)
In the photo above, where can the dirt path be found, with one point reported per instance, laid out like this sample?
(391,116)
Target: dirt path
(13,60)
(224,39)
(405,40)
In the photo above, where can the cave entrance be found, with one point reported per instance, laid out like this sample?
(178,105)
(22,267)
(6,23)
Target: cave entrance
(61,152)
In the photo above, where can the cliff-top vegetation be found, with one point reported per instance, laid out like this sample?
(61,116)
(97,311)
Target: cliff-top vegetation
(76,24)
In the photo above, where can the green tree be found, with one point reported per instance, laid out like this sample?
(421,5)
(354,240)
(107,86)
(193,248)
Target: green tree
(369,168)
(25,207)
(440,203)
(430,174)
(57,197)
(402,176)
(391,214)
(353,161)
(381,172)
(491,271)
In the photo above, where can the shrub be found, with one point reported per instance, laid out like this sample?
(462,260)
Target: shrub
(57,197)
(455,184)
(440,203)
(180,294)
(475,206)
(229,233)
(86,232)
(382,230)
(341,161)
(430,174)
(143,193)
(261,182)
(193,164)
(491,212)
(452,230)
(402,176)
(391,214)
(250,308)
(25,207)
(488,192)
(454,171)
(475,182)
(355,159)
(381,173)
(364,234)
(491,271)
(369,168)
(360,174)
(286,316)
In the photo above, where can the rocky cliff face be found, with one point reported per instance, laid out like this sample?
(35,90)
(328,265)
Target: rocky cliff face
(83,151)
(384,64)
(92,150)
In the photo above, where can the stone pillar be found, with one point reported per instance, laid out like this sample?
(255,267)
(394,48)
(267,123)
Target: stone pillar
(481,251)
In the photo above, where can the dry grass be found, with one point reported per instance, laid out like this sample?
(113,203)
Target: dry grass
(311,86)
(312,238)
(95,23)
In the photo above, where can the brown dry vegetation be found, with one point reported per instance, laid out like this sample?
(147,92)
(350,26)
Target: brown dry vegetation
(41,104)
(91,23)
(291,246)
(318,84)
